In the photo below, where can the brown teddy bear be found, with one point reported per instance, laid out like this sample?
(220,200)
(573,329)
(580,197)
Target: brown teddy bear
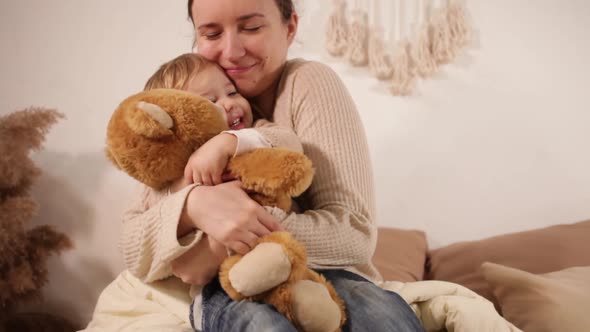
(24,253)
(151,136)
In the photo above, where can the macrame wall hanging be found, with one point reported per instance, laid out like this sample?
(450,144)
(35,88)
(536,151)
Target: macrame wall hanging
(400,41)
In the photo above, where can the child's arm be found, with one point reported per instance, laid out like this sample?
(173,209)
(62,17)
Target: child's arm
(275,135)
(207,164)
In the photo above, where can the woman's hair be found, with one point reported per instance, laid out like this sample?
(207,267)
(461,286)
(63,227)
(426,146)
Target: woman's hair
(286,7)
(176,73)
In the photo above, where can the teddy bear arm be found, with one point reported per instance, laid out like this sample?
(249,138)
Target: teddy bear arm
(273,170)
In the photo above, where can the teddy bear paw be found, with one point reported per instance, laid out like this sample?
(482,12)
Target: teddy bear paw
(263,268)
(313,307)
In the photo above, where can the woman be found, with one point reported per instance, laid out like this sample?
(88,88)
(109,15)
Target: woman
(249,39)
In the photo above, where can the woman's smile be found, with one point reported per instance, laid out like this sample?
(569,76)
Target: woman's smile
(237,71)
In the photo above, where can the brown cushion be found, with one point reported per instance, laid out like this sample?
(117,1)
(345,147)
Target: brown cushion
(556,301)
(537,251)
(400,254)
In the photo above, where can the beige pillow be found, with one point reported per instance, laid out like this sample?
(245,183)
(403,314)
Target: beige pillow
(556,301)
(400,254)
(537,251)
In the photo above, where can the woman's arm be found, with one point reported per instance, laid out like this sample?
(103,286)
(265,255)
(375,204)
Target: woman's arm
(149,238)
(337,226)
(199,265)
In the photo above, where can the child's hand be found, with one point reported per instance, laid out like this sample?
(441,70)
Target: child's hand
(207,164)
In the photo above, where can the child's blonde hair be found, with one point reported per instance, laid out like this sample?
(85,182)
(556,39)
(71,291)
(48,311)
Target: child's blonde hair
(177,73)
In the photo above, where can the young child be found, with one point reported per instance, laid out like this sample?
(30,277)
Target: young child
(193,73)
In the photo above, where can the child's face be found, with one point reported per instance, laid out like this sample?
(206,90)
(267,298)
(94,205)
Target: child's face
(212,84)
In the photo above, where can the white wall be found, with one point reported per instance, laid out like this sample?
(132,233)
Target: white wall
(497,142)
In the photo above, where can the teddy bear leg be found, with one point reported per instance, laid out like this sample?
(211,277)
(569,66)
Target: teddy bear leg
(314,276)
(224,269)
(314,309)
(308,305)
(263,268)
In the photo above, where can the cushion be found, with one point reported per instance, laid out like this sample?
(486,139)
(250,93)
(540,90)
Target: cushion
(400,254)
(556,301)
(537,251)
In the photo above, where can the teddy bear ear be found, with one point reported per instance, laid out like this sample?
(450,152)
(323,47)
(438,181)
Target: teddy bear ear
(111,157)
(150,120)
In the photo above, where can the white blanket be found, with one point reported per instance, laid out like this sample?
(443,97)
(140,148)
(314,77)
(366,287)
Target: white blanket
(447,306)
(128,305)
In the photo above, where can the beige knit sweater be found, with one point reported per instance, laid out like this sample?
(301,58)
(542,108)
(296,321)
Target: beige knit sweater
(337,224)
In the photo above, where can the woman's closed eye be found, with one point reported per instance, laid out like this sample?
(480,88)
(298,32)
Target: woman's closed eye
(252,28)
(211,34)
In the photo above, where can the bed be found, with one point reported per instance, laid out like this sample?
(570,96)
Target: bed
(538,280)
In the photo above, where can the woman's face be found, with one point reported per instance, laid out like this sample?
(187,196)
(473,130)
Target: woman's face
(248,38)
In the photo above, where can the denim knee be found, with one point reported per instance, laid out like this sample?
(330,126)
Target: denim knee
(221,313)
(371,308)
(248,316)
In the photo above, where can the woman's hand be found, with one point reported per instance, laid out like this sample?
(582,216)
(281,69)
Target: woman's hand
(199,265)
(207,164)
(227,214)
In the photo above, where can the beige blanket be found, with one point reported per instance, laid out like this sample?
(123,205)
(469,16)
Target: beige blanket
(128,305)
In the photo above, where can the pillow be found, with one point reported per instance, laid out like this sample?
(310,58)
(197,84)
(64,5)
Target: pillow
(556,301)
(537,251)
(400,254)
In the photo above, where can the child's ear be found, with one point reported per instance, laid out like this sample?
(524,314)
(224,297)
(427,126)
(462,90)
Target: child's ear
(150,120)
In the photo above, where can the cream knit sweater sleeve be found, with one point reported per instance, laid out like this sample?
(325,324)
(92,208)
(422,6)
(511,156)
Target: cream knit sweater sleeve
(148,238)
(337,225)
(278,136)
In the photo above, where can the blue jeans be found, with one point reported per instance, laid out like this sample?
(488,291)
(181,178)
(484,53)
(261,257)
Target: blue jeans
(369,308)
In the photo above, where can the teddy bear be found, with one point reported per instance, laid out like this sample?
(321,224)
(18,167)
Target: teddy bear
(151,136)
(24,252)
